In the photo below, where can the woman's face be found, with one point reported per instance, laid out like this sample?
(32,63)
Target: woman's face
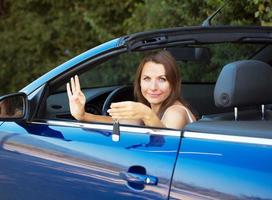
(154,85)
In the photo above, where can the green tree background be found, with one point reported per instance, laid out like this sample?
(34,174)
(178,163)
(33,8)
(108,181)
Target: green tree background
(38,35)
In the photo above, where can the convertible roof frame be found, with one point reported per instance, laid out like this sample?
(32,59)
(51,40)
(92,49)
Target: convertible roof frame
(196,35)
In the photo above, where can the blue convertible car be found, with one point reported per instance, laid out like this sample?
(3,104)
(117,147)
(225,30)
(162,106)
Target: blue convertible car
(226,154)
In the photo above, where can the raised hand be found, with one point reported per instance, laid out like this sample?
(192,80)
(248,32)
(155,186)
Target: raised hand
(76,98)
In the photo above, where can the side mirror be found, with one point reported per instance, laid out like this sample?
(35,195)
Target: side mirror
(13,107)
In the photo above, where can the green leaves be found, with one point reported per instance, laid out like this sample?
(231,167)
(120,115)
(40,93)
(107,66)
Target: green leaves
(38,35)
(263,11)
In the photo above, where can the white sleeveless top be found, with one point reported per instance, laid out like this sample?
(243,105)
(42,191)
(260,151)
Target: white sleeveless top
(188,114)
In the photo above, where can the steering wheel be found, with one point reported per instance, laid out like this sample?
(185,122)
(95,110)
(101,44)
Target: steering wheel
(123,93)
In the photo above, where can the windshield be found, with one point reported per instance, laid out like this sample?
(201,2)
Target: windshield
(120,70)
(198,64)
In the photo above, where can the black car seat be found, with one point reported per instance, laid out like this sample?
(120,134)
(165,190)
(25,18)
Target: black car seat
(244,86)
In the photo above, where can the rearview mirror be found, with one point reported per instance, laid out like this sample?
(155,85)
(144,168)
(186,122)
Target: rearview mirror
(196,54)
(13,107)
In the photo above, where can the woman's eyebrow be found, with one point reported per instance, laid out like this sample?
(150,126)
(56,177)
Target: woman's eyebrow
(164,75)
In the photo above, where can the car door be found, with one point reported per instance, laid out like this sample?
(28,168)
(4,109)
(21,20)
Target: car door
(58,159)
(225,160)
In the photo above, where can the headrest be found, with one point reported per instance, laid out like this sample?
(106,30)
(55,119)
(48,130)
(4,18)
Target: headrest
(244,83)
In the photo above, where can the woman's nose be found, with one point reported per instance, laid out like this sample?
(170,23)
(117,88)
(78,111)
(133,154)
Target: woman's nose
(153,85)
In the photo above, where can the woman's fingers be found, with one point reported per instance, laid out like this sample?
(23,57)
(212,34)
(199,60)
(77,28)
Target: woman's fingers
(128,110)
(121,107)
(124,110)
(68,90)
(123,104)
(73,87)
(123,116)
(77,84)
(118,110)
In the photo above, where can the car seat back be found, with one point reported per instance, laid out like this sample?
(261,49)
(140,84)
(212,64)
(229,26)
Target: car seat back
(243,85)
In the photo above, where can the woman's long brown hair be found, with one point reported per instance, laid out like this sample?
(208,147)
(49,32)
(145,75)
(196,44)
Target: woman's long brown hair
(172,75)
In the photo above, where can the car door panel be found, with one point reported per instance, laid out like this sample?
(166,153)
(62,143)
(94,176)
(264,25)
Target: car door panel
(211,169)
(77,161)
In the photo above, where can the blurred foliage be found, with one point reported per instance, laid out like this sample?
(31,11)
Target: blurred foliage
(38,35)
(123,66)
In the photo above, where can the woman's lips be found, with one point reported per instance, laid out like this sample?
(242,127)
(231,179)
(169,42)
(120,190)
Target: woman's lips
(152,95)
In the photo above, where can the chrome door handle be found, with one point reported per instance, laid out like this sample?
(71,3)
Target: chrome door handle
(139,178)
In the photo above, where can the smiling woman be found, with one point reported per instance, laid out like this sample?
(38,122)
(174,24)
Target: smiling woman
(157,89)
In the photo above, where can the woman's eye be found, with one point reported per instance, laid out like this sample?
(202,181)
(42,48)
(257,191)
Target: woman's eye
(146,78)
(162,79)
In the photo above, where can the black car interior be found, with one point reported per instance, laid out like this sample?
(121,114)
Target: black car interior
(237,95)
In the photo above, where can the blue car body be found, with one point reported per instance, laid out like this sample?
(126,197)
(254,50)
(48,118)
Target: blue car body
(43,158)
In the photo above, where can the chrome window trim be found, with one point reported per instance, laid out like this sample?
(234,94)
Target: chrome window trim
(228,138)
(164,132)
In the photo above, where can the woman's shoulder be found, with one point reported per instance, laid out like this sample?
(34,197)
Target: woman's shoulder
(178,109)
(177,105)
(175,116)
